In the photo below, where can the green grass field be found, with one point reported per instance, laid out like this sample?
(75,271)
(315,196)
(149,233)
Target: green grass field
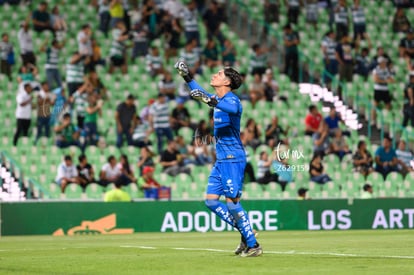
(288,252)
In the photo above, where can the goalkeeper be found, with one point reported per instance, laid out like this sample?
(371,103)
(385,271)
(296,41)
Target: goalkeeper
(227,175)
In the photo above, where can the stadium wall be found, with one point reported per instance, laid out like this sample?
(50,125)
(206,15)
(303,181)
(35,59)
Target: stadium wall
(80,218)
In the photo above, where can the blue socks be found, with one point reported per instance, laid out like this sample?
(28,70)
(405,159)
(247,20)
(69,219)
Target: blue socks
(221,210)
(234,214)
(242,222)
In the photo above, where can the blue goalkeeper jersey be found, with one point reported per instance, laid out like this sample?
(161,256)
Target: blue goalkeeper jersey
(227,115)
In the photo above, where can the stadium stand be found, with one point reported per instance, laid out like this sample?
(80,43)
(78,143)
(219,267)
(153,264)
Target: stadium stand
(38,163)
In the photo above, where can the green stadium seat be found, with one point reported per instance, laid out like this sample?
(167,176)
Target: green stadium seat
(252,190)
(94,191)
(73,191)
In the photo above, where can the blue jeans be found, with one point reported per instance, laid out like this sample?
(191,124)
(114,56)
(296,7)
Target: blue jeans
(43,123)
(321,179)
(120,138)
(91,130)
(161,132)
(65,144)
(53,77)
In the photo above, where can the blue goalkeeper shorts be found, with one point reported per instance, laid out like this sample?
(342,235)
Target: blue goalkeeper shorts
(226,179)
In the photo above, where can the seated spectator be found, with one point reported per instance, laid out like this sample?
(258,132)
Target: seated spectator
(41,18)
(148,184)
(66,173)
(258,60)
(257,89)
(321,141)
(167,85)
(172,162)
(362,159)
(201,153)
(117,194)
(281,168)
(85,171)
(339,145)
(271,87)
(185,150)
(312,120)
(367,191)
(264,175)
(154,62)
(126,169)
(316,170)
(405,158)
(228,53)
(400,23)
(140,136)
(111,173)
(67,134)
(180,116)
(273,133)
(407,45)
(253,133)
(385,158)
(145,159)
(211,54)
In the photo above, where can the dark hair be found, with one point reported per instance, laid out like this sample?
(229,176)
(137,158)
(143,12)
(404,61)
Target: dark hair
(27,85)
(360,143)
(126,165)
(66,115)
(111,157)
(67,157)
(317,154)
(255,47)
(81,157)
(387,137)
(287,27)
(311,108)
(234,76)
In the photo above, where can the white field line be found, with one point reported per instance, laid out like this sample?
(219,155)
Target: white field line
(135,246)
(292,252)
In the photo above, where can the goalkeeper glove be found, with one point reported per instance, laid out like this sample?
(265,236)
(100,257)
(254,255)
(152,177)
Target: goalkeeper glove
(200,95)
(183,70)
